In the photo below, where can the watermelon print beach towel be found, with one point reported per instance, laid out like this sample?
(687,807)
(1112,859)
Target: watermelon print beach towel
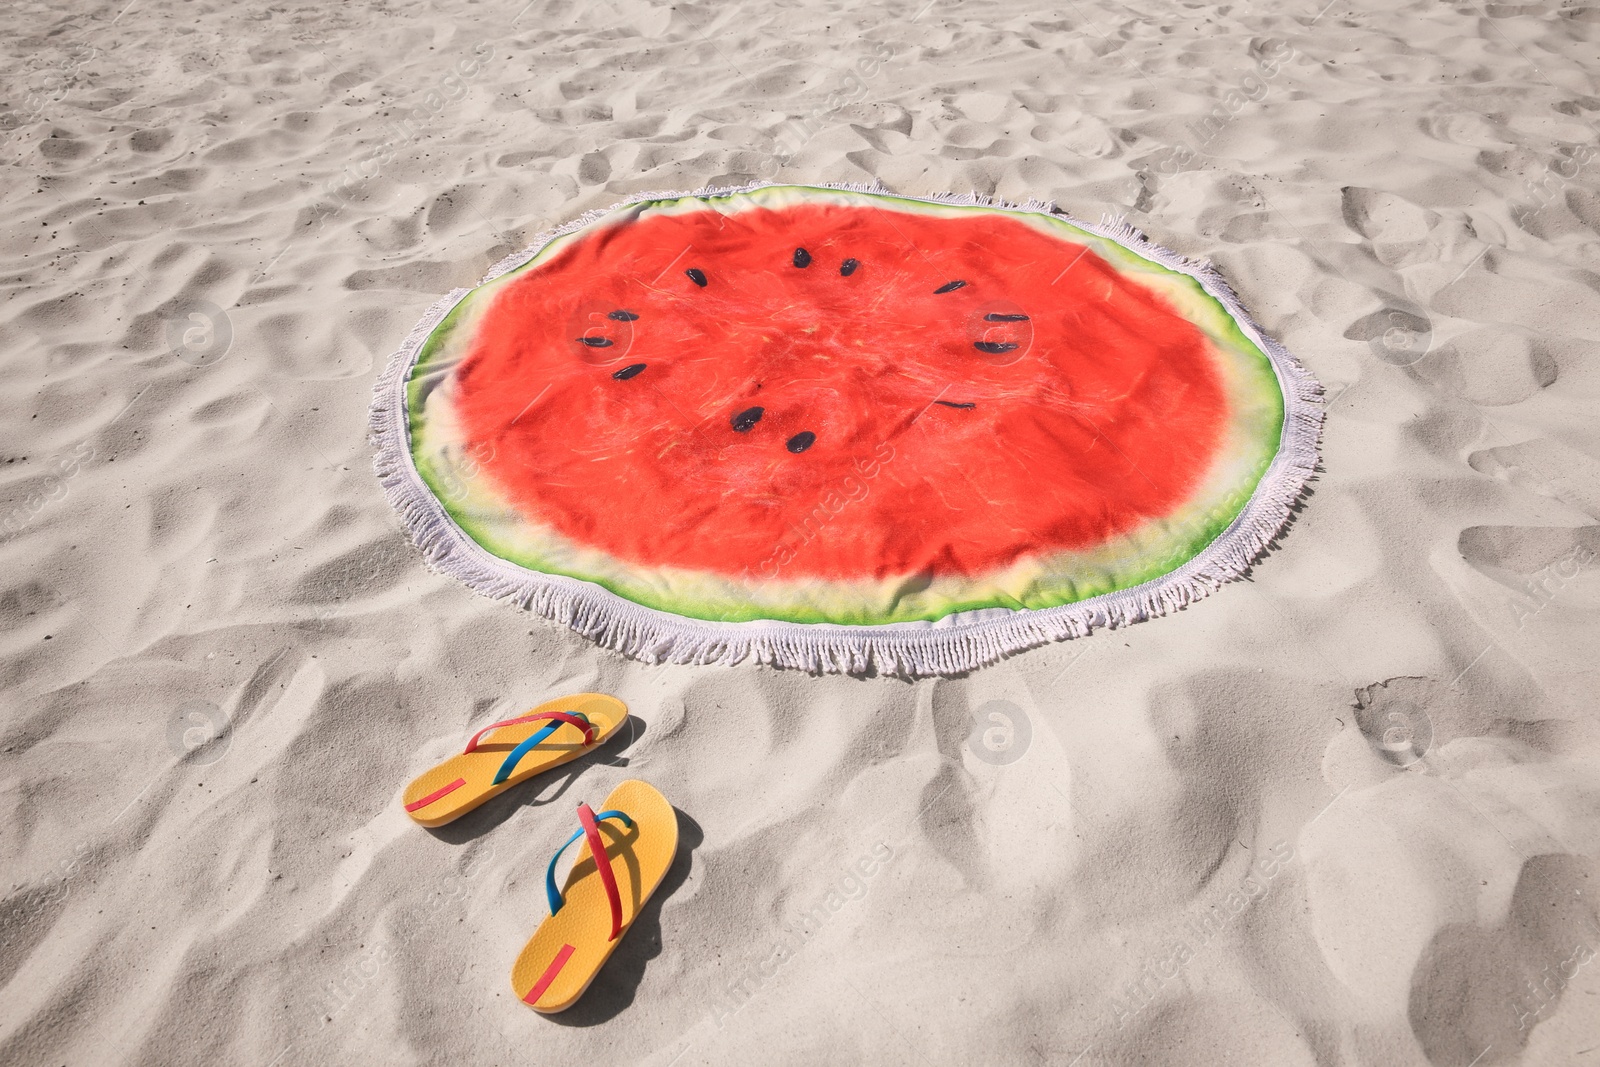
(836,428)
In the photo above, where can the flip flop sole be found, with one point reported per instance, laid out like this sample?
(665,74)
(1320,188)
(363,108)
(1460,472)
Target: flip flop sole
(466,780)
(569,948)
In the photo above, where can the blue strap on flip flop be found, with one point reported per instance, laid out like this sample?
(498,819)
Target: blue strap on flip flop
(550,890)
(516,754)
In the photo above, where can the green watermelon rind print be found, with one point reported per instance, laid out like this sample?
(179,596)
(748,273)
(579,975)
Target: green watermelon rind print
(948,624)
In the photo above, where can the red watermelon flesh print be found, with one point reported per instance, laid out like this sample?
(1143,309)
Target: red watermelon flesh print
(822,406)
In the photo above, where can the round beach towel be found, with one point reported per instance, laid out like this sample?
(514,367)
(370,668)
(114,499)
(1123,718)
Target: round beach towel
(841,429)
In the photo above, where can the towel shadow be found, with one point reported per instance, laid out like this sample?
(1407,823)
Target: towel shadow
(536,792)
(614,988)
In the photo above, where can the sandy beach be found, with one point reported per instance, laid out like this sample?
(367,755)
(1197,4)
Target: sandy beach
(1345,811)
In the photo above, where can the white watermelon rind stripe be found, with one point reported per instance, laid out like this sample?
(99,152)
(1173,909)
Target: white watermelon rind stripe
(957,642)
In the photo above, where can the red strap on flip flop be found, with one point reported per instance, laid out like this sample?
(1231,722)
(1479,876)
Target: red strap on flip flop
(559,716)
(549,974)
(602,864)
(436,795)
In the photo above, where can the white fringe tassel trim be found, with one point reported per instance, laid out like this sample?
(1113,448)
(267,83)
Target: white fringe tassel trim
(952,645)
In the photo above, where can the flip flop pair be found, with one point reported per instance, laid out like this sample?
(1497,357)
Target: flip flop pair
(628,846)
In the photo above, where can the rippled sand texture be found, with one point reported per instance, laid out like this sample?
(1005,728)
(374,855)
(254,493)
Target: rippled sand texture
(1345,812)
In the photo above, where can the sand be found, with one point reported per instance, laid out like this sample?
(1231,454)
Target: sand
(1342,812)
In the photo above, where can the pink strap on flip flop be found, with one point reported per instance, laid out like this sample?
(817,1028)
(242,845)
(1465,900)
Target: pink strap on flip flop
(560,716)
(549,974)
(602,864)
(437,794)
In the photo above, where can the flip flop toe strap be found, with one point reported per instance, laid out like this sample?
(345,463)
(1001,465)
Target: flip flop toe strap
(602,862)
(576,718)
(556,720)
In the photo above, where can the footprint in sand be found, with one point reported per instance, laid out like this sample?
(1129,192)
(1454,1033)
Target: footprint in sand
(1393,717)
(1546,468)
(1536,563)
(1478,991)
(1491,365)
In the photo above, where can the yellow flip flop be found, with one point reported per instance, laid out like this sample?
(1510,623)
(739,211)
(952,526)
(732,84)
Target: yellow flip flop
(636,833)
(548,736)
